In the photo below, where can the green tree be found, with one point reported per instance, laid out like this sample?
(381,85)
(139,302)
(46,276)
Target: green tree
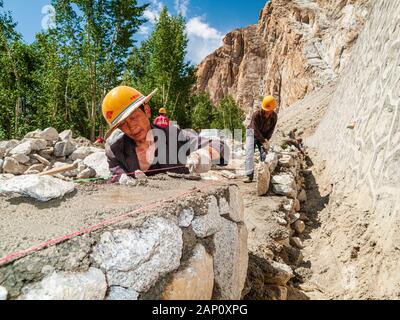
(203,112)
(17,64)
(228,115)
(160,63)
(90,46)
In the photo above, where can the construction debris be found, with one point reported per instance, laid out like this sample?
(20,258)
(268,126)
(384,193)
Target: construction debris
(43,151)
(41,188)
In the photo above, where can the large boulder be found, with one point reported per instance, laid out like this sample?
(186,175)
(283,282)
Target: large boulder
(230,261)
(64,148)
(136,258)
(5,146)
(285,185)
(195,282)
(98,162)
(24,148)
(49,134)
(40,188)
(209,224)
(90,285)
(65,135)
(3,293)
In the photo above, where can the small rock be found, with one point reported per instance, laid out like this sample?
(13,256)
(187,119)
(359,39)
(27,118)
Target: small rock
(88,173)
(186,218)
(83,152)
(36,144)
(11,165)
(41,159)
(263,179)
(24,148)
(288,206)
(304,217)
(47,153)
(64,148)
(21,158)
(1,165)
(282,221)
(228,174)
(272,161)
(297,205)
(65,135)
(295,241)
(302,196)
(49,134)
(286,161)
(140,175)
(293,217)
(3,293)
(37,167)
(299,226)
(98,161)
(277,273)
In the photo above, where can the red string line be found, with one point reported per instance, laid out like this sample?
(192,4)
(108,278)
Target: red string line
(105,223)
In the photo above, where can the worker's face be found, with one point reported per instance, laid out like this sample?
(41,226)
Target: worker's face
(267,114)
(137,125)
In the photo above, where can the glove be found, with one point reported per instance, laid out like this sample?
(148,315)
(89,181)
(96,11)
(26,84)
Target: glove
(266,146)
(199,161)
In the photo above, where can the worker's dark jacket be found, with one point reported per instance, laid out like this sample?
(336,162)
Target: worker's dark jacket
(122,156)
(263,127)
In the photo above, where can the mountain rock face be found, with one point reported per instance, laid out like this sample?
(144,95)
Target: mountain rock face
(296,47)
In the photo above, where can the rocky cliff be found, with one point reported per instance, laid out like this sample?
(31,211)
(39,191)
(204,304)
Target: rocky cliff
(296,47)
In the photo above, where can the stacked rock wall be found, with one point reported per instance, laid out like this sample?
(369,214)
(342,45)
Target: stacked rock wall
(195,248)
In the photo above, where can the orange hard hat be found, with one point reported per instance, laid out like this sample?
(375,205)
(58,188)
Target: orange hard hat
(163,111)
(119,104)
(269,104)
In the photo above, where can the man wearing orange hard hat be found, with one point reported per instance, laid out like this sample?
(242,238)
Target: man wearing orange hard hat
(260,131)
(142,147)
(162,120)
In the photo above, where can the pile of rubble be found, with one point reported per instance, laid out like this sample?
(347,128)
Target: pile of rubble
(41,151)
(45,163)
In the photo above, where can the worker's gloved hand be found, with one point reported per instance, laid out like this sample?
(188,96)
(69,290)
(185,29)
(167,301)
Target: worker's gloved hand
(126,180)
(199,161)
(266,146)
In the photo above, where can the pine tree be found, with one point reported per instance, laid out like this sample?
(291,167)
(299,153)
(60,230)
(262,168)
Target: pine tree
(160,63)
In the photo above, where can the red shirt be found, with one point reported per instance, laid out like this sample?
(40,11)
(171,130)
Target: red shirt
(161,121)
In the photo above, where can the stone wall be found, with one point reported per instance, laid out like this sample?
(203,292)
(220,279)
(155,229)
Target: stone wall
(195,248)
(360,138)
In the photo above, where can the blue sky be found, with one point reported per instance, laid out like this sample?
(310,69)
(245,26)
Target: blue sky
(207,20)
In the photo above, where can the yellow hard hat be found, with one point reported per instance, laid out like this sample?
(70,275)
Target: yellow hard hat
(163,111)
(120,102)
(269,104)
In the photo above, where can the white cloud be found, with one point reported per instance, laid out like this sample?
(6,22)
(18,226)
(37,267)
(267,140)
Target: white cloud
(144,30)
(197,27)
(203,39)
(182,6)
(152,13)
